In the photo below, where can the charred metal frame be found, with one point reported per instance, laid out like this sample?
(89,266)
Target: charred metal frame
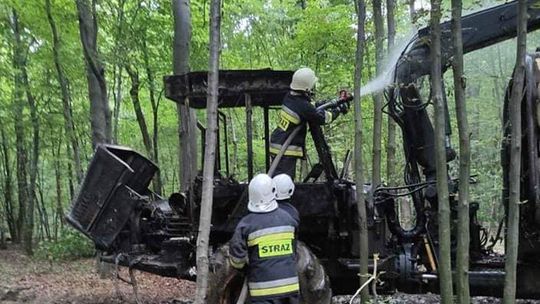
(249,135)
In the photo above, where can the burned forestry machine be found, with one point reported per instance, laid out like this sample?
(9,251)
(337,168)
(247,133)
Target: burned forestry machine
(139,229)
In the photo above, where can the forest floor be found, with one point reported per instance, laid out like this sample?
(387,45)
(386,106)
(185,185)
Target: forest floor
(27,280)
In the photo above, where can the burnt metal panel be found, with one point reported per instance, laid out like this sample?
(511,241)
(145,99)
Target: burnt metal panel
(109,192)
(266,87)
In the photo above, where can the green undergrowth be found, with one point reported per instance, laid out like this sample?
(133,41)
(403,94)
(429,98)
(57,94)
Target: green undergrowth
(70,245)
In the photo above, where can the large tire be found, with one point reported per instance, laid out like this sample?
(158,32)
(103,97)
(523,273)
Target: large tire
(225,283)
(314,283)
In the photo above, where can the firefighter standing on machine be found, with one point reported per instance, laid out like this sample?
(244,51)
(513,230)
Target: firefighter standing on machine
(297,110)
(264,239)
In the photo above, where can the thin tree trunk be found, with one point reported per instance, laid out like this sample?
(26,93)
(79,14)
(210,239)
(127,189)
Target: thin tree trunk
(40,234)
(45,213)
(100,114)
(512,234)
(209,153)
(69,126)
(42,210)
(358,142)
(391,125)
(117,87)
(187,125)
(445,267)
(134,92)
(118,69)
(59,214)
(412,11)
(8,188)
(377,98)
(20,137)
(463,236)
(70,175)
(158,184)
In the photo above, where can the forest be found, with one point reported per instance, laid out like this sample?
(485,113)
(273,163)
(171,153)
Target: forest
(76,73)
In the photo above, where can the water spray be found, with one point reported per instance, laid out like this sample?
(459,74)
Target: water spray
(386,77)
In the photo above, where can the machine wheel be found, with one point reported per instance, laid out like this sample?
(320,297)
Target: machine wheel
(225,283)
(314,282)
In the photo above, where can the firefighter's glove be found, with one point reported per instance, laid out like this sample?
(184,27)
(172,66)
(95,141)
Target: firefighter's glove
(345,96)
(320,103)
(343,107)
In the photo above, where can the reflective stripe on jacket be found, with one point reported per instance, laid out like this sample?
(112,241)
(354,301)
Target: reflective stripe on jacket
(296,110)
(265,242)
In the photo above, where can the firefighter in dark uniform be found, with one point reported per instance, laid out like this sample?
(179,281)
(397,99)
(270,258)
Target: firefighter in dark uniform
(264,240)
(284,193)
(297,110)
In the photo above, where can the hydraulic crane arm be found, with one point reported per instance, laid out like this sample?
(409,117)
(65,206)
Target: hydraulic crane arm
(406,107)
(480,29)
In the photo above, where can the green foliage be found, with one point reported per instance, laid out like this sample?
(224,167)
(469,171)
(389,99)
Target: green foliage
(70,245)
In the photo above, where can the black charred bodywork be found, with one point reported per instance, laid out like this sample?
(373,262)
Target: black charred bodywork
(139,229)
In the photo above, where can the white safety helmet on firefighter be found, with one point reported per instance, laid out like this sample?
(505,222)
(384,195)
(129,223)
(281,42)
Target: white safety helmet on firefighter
(284,186)
(303,79)
(262,194)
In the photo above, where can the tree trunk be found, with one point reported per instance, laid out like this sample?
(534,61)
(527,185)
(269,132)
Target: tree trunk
(134,92)
(32,197)
(158,184)
(100,114)
(20,137)
(209,153)
(358,142)
(463,235)
(118,69)
(42,209)
(69,126)
(59,214)
(412,11)
(377,98)
(187,125)
(70,175)
(512,234)
(445,267)
(391,125)
(8,196)
(117,88)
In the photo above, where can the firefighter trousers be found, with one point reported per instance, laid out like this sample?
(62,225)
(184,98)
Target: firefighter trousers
(289,300)
(287,165)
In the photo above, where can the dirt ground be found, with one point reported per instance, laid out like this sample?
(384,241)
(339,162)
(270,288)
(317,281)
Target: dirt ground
(25,280)
(401,298)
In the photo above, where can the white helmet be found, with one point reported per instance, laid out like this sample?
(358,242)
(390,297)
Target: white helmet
(303,79)
(262,194)
(284,186)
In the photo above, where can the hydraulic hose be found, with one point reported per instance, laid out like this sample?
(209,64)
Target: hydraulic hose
(385,199)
